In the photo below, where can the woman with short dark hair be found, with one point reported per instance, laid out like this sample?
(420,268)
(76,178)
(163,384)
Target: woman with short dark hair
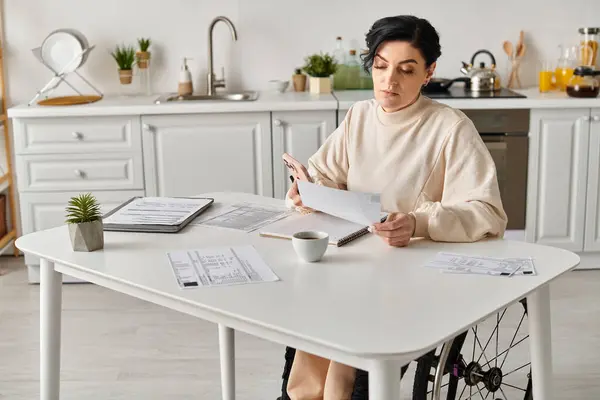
(436,177)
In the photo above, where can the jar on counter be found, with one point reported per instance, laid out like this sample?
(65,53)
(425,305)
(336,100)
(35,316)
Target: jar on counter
(589,38)
(583,83)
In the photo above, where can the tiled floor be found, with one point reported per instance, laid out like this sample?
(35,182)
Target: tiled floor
(117,347)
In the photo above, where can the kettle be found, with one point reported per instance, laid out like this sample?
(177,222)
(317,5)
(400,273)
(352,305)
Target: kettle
(482,79)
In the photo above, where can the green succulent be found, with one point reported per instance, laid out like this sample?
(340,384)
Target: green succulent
(124,56)
(83,208)
(320,65)
(144,43)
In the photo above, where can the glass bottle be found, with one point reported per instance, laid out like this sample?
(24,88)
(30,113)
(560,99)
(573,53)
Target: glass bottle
(353,79)
(589,46)
(339,78)
(567,62)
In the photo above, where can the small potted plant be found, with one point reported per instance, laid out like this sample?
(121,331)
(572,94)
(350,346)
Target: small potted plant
(85,223)
(143,55)
(299,80)
(319,68)
(125,58)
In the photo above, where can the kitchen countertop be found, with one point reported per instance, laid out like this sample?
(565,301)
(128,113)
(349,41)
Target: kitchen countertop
(534,99)
(145,105)
(289,101)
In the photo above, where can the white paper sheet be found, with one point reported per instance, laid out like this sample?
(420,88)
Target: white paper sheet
(463,264)
(156,211)
(242,216)
(219,266)
(361,208)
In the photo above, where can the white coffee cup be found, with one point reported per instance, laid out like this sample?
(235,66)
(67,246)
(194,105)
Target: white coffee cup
(310,246)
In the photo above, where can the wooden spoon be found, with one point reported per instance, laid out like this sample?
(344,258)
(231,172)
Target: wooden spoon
(520,43)
(508,48)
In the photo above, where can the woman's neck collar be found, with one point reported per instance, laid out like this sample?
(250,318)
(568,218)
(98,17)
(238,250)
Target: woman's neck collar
(402,115)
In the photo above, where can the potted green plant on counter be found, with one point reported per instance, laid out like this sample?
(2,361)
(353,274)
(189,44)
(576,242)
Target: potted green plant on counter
(84,219)
(125,58)
(319,68)
(143,55)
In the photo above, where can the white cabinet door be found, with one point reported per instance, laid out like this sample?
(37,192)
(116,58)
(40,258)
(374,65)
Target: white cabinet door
(45,210)
(592,217)
(558,166)
(299,133)
(186,155)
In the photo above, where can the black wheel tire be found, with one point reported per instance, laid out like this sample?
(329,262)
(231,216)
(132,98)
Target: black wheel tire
(426,363)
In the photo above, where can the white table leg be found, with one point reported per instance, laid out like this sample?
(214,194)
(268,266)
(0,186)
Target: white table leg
(384,380)
(538,308)
(227,353)
(50,330)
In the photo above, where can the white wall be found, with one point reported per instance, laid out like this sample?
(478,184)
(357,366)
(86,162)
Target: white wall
(274,35)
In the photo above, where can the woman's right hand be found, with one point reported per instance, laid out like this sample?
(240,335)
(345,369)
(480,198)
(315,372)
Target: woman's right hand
(293,199)
(294,195)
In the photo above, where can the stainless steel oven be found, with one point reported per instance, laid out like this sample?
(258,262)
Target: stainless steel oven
(505,133)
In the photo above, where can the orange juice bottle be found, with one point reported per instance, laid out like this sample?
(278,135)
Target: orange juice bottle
(566,65)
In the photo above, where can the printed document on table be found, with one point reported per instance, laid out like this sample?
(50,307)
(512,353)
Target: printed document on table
(459,263)
(156,211)
(358,207)
(242,216)
(219,266)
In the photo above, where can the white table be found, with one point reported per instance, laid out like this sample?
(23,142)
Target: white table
(313,306)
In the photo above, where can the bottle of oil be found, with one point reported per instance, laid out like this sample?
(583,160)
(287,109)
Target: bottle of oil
(339,78)
(353,78)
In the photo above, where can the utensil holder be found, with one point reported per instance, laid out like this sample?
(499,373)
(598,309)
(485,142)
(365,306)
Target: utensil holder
(61,76)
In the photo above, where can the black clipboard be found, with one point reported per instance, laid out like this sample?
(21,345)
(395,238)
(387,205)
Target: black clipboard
(150,227)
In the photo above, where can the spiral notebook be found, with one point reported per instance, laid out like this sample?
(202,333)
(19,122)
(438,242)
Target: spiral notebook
(340,231)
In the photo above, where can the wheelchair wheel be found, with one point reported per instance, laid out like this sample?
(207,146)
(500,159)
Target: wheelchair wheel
(489,361)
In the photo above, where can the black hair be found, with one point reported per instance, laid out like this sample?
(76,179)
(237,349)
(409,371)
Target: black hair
(417,31)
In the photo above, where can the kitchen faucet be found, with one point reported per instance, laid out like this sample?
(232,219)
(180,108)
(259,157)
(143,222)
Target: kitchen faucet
(214,83)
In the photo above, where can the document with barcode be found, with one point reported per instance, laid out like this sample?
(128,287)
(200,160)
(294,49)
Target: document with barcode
(219,266)
(465,264)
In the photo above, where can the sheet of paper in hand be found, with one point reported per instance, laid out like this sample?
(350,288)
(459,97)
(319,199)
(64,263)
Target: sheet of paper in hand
(361,208)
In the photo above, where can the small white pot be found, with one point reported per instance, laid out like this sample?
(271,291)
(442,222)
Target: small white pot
(87,236)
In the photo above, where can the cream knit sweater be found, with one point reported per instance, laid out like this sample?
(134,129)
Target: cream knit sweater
(427,159)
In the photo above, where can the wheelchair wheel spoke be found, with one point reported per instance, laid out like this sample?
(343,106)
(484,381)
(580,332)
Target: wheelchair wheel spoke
(492,335)
(512,386)
(516,369)
(505,351)
(497,333)
(513,339)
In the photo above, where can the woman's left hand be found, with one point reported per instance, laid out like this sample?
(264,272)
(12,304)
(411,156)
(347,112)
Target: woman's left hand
(397,229)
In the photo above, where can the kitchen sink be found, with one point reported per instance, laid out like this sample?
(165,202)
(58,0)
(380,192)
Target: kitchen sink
(242,96)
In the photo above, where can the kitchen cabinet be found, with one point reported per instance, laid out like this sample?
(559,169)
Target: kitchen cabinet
(57,158)
(299,133)
(185,155)
(558,176)
(592,219)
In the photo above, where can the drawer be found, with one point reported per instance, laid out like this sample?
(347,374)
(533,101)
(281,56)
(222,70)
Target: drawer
(80,172)
(76,135)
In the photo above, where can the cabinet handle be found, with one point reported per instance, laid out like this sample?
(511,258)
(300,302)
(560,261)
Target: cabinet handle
(79,173)
(147,127)
(596,118)
(586,118)
(277,122)
(77,135)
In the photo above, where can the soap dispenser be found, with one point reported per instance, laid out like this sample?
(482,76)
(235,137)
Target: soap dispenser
(185,87)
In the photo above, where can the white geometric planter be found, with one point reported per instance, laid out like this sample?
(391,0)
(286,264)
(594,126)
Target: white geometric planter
(319,85)
(87,236)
